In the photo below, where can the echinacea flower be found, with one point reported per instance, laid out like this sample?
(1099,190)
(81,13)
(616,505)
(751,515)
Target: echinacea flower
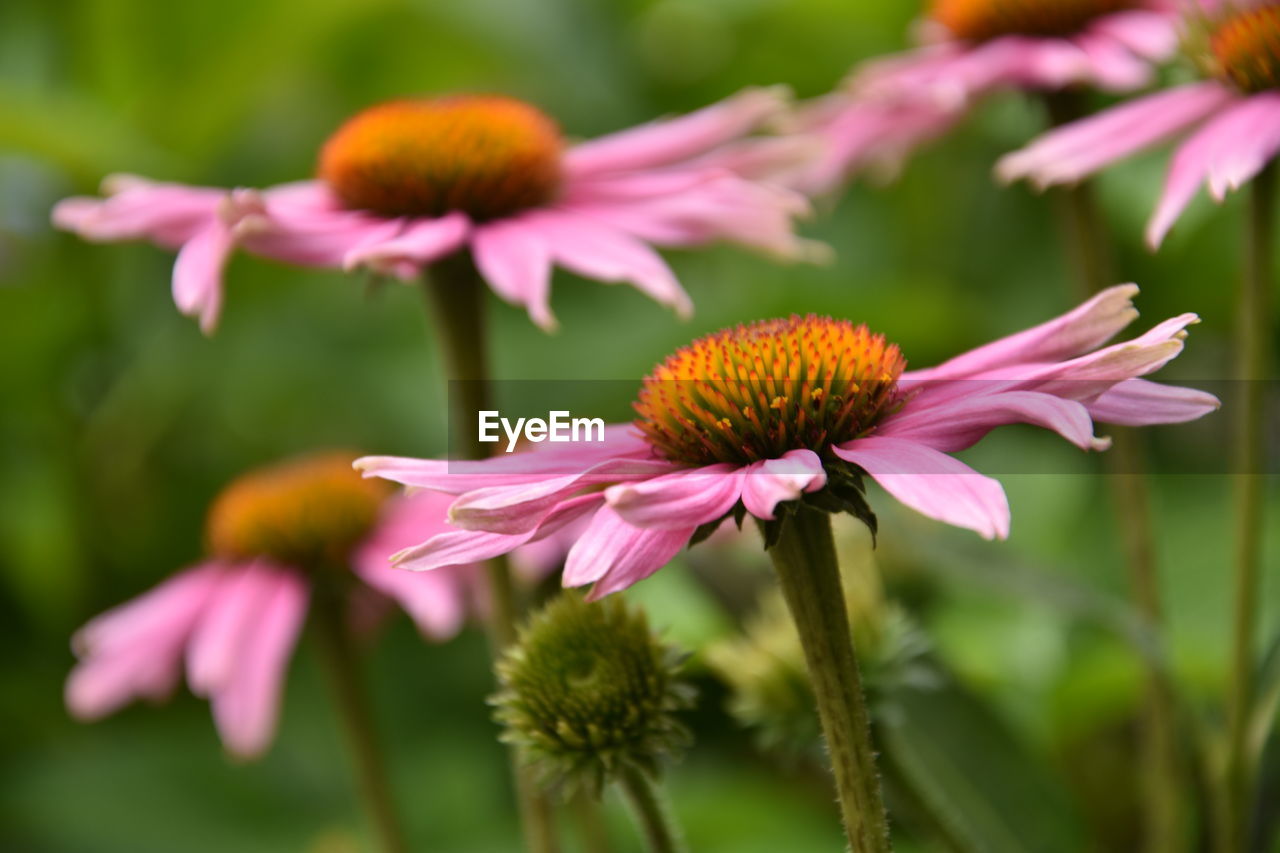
(404,184)
(1235,115)
(750,419)
(973,48)
(232,620)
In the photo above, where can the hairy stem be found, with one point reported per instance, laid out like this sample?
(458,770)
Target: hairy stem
(651,812)
(1162,772)
(1252,369)
(805,560)
(346,682)
(455,293)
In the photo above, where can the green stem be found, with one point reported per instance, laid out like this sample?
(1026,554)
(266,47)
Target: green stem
(1162,772)
(651,813)
(1253,353)
(346,683)
(455,294)
(592,831)
(805,560)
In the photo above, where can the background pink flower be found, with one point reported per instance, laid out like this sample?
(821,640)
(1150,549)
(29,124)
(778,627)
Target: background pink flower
(749,419)
(408,183)
(232,621)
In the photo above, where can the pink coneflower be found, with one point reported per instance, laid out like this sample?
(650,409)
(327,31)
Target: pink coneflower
(407,183)
(232,621)
(972,48)
(1235,117)
(752,419)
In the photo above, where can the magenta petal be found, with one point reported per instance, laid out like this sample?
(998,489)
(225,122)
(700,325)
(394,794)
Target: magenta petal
(626,554)
(962,422)
(197,274)
(246,707)
(421,242)
(678,500)
(773,481)
(932,483)
(663,142)
(1139,402)
(594,250)
(517,265)
(436,601)
(1078,331)
(217,644)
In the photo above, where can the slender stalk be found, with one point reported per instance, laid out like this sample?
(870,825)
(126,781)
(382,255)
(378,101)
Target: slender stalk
(455,294)
(346,682)
(592,831)
(651,813)
(1162,773)
(1252,369)
(805,560)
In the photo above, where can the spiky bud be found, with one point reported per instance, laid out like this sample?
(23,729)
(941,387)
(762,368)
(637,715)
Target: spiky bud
(588,691)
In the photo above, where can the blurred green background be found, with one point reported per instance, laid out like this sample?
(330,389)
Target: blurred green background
(119,421)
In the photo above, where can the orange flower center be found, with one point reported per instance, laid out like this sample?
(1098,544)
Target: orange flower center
(978,20)
(1246,48)
(485,155)
(308,513)
(756,391)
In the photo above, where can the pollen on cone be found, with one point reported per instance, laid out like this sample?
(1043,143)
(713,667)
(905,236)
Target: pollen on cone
(757,391)
(1246,48)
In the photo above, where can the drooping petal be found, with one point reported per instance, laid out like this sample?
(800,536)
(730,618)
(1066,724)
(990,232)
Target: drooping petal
(662,142)
(1077,150)
(678,500)
(246,707)
(421,242)
(434,600)
(932,483)
(1193,162)
(218,643)
(1149,34)
(773,481)
(197,274)
(596,251)
(517,265)
(136,208)
(1140,402)
(618,554)
(960,423)
(1078,331)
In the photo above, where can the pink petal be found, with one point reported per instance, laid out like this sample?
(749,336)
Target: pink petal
(594,250)
(662,142)
(1079,330)
(958,424)
(617,554)
(932,483)
(421,242)
(1195,160)
(680,499)
(246,707)
(1139,402)
(517,265)
(162,610)
(1112,66)
(1153,35)
(771,482)
(197,274)
(169,214)
(217,644)
(434,600)
(1075,151)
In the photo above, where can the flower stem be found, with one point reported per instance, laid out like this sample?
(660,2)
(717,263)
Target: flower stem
(651,812)
(592,832)
(1161,768)
(455,293)
(805,560)
(1253,354)
(346,682)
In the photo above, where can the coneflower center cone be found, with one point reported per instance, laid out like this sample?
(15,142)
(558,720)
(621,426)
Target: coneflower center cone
(756,391)
(308,512)
(487,156)
(979,20)
(1246,48)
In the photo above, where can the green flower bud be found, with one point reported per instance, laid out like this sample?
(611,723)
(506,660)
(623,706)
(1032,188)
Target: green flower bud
(589,691)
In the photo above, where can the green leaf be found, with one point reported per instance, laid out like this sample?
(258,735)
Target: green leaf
(966,772)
